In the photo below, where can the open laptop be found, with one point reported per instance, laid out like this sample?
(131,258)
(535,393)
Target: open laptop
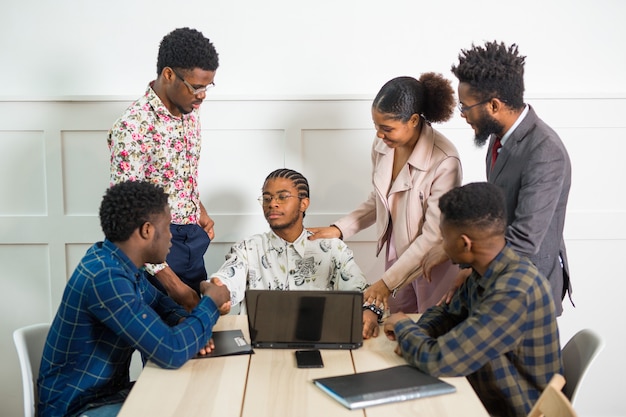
(305,319)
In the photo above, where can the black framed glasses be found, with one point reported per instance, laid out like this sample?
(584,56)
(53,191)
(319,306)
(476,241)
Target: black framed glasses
(464,109)
(192,89)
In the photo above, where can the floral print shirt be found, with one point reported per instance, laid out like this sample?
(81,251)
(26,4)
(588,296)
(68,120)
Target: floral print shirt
(148,143)
(266,261)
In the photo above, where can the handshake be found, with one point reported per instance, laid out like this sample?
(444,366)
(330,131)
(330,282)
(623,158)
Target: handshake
(218,292)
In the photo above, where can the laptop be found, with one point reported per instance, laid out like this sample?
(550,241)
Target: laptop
(305,319)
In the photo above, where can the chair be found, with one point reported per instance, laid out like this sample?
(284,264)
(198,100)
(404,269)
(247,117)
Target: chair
(552,402)
(578,354)
(29,342)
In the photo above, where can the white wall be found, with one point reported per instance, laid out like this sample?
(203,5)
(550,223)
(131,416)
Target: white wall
(294,89)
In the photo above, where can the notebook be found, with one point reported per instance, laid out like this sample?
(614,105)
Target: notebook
(399,383)
(228,342)
(305,319)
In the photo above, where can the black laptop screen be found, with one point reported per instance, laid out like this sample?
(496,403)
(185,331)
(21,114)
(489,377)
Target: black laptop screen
(305,319)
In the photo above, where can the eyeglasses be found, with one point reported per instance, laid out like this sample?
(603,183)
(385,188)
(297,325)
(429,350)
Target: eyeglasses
(281,198)
(192,89)
(464,109)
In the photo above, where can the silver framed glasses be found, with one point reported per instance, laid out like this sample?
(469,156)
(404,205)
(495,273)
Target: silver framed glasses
(192,89)
(281,198)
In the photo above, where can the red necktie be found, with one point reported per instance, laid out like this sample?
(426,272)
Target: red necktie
(494,151)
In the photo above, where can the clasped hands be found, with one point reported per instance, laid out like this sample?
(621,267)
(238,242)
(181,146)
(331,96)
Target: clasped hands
(220,295)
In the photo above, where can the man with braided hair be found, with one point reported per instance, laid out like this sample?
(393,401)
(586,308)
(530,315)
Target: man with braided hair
(284,258)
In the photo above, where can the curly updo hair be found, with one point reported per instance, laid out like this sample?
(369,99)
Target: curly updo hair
(431,97)
(186,49)
(127,206)
(493,71)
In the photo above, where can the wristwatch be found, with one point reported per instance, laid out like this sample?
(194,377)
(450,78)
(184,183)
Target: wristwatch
(375,310)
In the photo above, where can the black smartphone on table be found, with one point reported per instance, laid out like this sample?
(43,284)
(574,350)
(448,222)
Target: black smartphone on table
(309,359)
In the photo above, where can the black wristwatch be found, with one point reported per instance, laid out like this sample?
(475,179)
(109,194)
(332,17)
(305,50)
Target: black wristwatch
(375,310)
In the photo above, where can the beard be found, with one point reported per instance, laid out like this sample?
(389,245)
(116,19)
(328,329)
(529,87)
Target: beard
(485,126)
(183,110)
(287,222)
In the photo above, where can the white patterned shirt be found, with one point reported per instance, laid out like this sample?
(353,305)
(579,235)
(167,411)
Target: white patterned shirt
(266,261)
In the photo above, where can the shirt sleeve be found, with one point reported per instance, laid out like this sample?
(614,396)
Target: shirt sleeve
(234,272)
(154,269)
(347,273)
(115,303)
(129,156)
(129,159)
(444,343)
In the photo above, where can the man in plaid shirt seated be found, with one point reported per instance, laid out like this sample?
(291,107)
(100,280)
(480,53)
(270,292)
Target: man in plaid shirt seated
(109,309)
(499,329)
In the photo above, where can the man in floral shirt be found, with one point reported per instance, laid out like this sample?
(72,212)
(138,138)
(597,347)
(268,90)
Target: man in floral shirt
(157,139)
(284,258)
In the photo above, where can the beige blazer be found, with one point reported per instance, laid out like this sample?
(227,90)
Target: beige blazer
(432,169)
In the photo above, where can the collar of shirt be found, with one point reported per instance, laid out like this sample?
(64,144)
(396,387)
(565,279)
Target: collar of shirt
(517,122)
(117,253)
(299,245)
(497,265)
(157,105)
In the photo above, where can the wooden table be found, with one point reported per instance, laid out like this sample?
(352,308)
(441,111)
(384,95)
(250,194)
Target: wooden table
(268,383)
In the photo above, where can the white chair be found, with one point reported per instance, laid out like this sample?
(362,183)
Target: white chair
(552,402)
(578,354)
(29,342)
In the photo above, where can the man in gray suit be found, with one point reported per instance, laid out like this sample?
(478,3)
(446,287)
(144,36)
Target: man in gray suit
(525,157)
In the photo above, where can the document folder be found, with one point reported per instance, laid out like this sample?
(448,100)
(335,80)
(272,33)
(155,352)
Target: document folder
(366,389)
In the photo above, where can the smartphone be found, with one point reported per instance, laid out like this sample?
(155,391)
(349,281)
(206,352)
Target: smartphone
(309,359)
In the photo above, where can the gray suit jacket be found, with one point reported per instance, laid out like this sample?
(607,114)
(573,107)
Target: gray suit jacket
(534,171)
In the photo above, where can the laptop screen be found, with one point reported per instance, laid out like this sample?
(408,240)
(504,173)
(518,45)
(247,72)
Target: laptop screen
(305,319)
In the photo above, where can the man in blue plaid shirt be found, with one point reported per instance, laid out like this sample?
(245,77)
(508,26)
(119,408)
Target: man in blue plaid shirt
(499,329)
(109,309)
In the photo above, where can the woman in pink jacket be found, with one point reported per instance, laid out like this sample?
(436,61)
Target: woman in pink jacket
(413,165)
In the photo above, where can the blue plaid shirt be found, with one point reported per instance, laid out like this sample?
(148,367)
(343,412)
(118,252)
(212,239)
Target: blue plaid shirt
(499,330)
(108,310)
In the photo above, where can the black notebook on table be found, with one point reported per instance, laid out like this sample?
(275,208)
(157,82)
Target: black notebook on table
(399,383)
(228,342)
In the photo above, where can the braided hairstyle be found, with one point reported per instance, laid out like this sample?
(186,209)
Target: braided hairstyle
(301,184)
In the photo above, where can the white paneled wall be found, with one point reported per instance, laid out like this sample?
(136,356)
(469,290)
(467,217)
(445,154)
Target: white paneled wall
(54,170)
